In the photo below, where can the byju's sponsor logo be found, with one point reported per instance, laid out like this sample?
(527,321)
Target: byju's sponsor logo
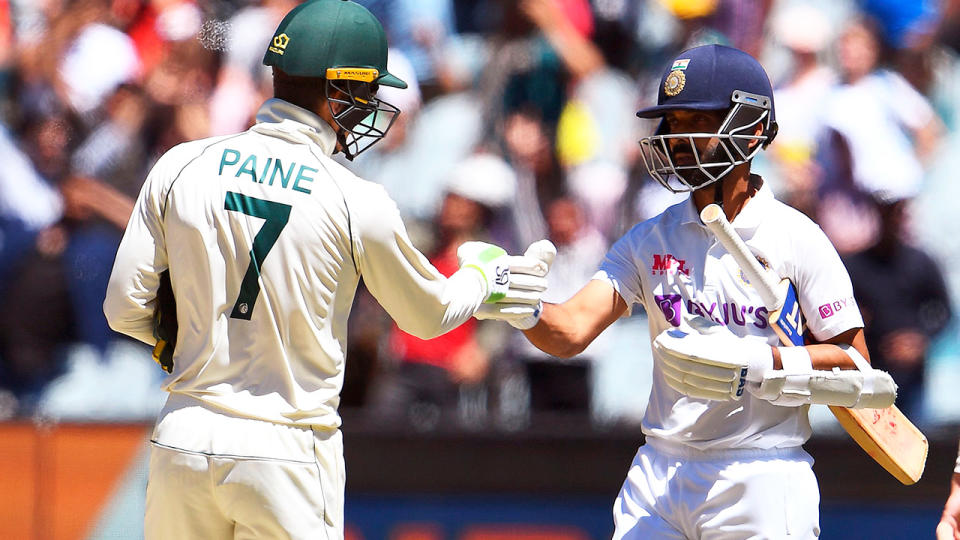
(831,308)
(670,306)
(668,264)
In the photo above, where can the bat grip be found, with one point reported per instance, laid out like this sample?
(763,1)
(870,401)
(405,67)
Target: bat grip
(713,217)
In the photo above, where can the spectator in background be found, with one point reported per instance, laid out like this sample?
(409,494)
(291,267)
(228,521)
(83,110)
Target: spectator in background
(879,131)
(418,29)
(243,82)
(903,297)
(556,384)
(908,30)
(423,387)
(805,32)
(33,323)
(391,163)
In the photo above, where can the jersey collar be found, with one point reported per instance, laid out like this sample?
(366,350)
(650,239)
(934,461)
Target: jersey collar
(284,119)
(756,208)
(749,217)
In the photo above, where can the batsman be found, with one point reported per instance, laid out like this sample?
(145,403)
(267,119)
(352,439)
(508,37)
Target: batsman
(240,263)
(727,415)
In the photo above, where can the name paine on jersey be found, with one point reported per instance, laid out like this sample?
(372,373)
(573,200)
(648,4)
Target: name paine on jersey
(673,306)
(268,170)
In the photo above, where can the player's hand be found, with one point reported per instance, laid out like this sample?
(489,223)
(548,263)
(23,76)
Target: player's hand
(710,362)
(527,282)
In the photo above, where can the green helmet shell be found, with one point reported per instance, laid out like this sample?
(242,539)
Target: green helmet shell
(322,34)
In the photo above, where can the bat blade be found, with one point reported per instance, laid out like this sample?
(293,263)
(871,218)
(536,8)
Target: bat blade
(886,435)
(889,438)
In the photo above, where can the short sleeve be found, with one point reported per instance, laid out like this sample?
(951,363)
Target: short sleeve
(619,268)
(823,285)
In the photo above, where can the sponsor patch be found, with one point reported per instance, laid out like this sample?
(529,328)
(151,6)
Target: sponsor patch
(832,308)
(670,305)
(667,264)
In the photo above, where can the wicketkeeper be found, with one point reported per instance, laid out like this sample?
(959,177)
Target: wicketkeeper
(264,238)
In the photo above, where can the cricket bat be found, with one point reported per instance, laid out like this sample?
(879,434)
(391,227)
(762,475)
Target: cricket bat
(885,434)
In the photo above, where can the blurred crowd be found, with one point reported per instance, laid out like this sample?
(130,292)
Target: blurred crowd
(518,124)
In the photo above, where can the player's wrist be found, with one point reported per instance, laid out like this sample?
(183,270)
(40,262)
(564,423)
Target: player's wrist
(488,261)
(795,360)
(759,359)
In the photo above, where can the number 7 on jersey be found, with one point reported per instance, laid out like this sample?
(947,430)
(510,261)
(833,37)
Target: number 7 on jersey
(275,216)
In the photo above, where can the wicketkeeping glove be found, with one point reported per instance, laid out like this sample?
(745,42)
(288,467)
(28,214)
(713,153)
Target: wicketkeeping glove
(165,323)
(710,362)
(520,304)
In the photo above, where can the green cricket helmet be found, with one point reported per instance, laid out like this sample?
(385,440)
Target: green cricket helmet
(343,43)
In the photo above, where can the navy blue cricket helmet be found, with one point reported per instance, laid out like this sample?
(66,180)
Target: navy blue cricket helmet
(710,78)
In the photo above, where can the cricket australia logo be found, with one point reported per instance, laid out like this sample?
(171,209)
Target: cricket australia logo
(667,264)
(280,42)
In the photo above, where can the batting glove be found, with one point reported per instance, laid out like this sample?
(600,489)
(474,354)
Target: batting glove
(521,305)
(710,362)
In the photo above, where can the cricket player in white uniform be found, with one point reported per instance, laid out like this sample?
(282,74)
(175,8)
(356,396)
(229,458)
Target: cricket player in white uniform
(723,457)
(263,238)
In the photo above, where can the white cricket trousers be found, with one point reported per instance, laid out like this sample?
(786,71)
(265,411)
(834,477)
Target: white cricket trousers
(220,477)
(675,492)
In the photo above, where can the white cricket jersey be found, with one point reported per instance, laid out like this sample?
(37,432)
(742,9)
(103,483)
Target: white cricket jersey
(266,238)
(675,268)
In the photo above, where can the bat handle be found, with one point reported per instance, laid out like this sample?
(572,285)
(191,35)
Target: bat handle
(713,217)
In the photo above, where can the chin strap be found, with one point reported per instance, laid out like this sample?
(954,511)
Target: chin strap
(342,139)
(718,193)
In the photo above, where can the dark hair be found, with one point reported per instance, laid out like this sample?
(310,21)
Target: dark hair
(303,92)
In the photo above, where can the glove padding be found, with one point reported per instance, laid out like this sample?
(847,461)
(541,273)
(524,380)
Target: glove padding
(864,387)
(165,325)
(710,362)
(529,279)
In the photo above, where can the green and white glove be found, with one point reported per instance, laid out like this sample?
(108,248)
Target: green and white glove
(520,304)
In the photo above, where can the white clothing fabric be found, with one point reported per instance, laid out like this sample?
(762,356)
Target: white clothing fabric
(676,269)
(242,478)
(24,194)
(675,492)
(272,347)
(876,115)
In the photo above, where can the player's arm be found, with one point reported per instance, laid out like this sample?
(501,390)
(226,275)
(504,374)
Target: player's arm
(827,355)
(708,361)
(567,329)
(418,297)
(131,296)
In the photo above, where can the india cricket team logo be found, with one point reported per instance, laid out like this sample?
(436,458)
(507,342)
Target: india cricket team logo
(676,80)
